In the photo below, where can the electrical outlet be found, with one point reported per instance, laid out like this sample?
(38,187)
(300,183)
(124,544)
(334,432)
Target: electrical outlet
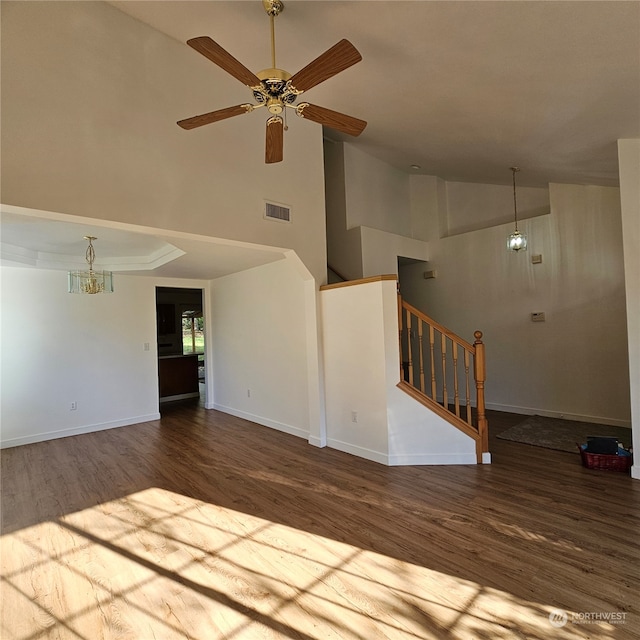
(146,346)
(354,416)
(248,393)
(74,406)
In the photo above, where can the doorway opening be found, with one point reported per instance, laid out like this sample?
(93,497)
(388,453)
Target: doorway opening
(181,344)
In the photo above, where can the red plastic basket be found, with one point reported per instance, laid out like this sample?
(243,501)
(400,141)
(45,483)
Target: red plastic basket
(605,462)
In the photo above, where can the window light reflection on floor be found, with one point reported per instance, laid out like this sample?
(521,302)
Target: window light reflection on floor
(161,565)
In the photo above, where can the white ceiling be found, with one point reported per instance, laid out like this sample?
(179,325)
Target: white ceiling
(55,241)
(464,89)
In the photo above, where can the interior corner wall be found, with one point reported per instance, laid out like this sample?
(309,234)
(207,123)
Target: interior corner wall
(60,348)
(260,344)
(629,163)
(424,207)
(344,247)
(369,218)
(377,195)
(90,101)
(575,364)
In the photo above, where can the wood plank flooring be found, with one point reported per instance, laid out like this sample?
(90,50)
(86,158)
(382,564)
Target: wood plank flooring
(204,526)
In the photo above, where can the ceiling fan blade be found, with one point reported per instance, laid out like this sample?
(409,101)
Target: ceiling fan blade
(214,116)
(340,57)
(275,140)
(332,119)
(214,52)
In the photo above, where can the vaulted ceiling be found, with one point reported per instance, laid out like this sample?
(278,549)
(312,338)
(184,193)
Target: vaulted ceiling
(464,89)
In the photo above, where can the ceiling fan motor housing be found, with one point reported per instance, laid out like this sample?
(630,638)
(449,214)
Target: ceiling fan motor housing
(273,90)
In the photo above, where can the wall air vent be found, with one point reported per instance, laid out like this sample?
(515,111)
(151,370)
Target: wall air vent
(278,212)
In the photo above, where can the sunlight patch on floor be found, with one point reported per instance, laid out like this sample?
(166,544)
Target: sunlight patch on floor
(158,565)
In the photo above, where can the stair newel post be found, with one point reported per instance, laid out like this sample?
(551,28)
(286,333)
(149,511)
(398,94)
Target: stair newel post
(480,376)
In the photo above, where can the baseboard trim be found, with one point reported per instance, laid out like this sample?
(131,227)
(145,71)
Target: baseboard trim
(360,452)
(529,411)
(76,431)
(265,422)
(635,471)
(317,442)
(180,396)
(405,459)
(430,459)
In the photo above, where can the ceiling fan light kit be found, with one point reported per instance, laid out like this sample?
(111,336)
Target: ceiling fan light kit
(277,90)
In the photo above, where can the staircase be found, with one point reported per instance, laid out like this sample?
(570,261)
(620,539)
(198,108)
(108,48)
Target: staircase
(436,368)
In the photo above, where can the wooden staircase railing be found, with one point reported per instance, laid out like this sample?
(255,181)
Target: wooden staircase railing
(435,369)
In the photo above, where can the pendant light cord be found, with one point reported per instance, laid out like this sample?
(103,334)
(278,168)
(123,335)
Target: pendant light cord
(515,203)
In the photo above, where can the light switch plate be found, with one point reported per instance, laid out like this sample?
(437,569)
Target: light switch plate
(537,316)
(536,259)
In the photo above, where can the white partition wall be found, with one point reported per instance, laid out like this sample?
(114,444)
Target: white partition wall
(367,415)
(629,161)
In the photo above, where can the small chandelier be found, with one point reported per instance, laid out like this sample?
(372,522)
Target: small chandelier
(90,281)
(516,241)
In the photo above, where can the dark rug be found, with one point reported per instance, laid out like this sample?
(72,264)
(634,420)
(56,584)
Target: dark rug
(562,435)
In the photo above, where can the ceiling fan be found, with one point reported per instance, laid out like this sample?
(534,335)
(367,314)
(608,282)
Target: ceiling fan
(277,89)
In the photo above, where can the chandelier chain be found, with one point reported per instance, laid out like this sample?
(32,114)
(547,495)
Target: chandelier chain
(90,254)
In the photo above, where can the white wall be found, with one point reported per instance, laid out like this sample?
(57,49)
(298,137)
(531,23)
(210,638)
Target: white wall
(377,195)
(369,217)
(264,341)
(575,363)
(380,251)
(354,364)
(59,348)
(362,364)
(629,162)
(344,247)
(90,100)
(261,335)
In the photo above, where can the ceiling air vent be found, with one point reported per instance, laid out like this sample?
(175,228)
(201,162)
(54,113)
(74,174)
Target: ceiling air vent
(279,212)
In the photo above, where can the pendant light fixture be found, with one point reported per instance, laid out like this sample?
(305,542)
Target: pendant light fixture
(90,281)
(516,241)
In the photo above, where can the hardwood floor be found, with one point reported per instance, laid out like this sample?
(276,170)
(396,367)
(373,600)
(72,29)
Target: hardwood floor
(204,526)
